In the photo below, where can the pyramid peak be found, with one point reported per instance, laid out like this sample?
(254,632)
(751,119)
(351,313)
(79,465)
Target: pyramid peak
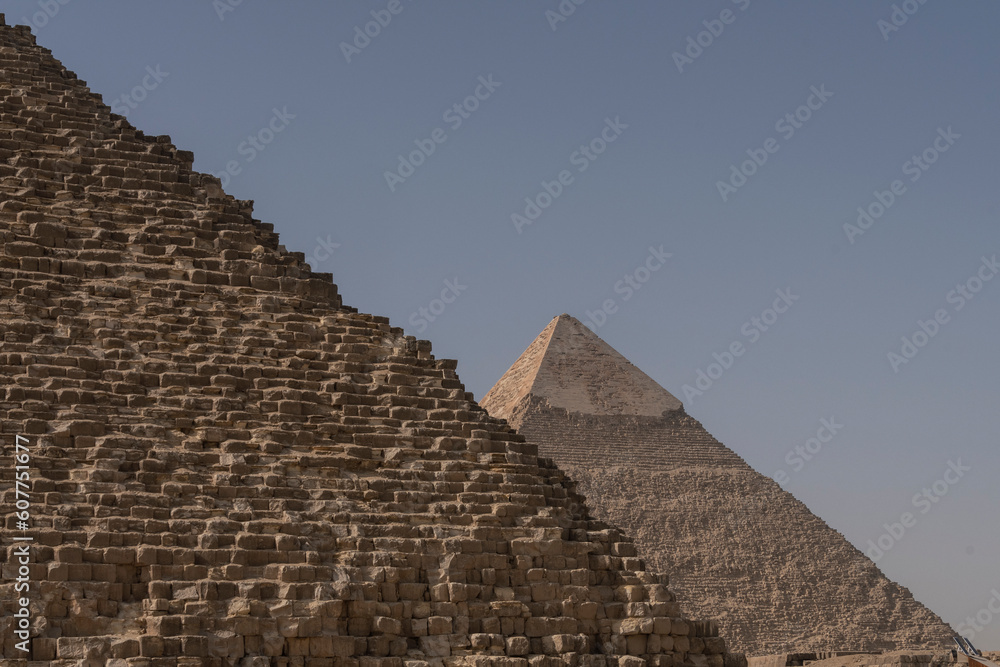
(571,367)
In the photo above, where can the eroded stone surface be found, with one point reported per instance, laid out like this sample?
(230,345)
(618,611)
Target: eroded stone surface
(775,576)
(232,468)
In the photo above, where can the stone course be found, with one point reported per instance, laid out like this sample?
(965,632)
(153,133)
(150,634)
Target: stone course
(735,544)
(230,467)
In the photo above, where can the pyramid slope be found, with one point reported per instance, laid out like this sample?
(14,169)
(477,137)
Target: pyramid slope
(516,383)
(229,467)
(776,577)
(569,366)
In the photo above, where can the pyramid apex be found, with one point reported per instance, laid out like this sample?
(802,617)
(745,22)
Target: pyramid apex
(571,367)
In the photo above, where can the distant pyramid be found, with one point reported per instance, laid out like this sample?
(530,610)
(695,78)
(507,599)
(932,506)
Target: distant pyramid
(577,371)
(775,575)
(228,467)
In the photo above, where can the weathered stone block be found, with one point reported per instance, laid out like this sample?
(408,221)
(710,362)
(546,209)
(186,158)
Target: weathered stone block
(438,625)
(517,646)
(386,625)
(435,646)
(635,626)
(631,661)
(636,644)
(556,644)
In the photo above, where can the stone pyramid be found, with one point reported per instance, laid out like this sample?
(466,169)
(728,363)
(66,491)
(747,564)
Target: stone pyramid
(229,467)
(577,371)
(735,544)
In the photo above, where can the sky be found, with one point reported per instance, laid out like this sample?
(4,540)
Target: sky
(785,213)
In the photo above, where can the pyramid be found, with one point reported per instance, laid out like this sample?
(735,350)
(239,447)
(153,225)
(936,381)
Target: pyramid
(734,543)
(578,372)
(227,466)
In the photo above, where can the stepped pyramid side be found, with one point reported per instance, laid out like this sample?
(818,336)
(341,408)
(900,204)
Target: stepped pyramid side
(775,576)
(229,467)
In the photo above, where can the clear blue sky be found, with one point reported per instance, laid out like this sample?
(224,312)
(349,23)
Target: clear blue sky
(676,135)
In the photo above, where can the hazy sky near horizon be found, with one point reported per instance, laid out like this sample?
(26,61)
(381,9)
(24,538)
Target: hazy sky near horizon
(474,169)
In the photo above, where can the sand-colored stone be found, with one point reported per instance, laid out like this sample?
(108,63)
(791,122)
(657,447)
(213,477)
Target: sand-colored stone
(775,576)
(229,467)
(578,372)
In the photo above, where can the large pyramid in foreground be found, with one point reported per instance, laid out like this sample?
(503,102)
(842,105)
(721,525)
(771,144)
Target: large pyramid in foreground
(228,467)
(733,542)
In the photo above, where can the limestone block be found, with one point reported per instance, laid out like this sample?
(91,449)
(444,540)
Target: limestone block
(543,591)
(386,625)
(343,646)
(636,626)
(636,644)
(82,647)
(435,646)
(517,645)
(439,625)
(561,643)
